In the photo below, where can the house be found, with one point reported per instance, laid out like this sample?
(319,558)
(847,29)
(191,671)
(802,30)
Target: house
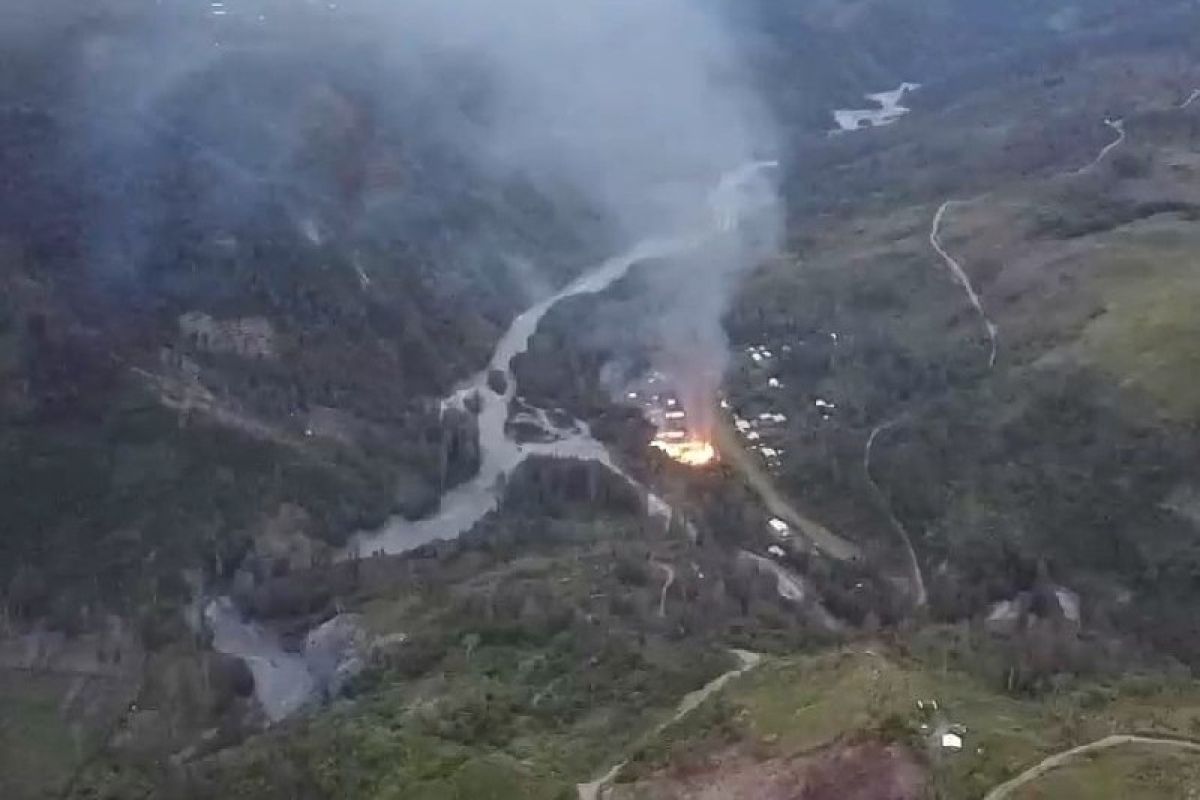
(780,527)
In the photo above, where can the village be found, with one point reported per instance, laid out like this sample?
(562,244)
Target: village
(760,427)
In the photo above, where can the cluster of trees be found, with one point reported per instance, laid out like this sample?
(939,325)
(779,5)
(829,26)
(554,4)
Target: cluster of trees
(1000,477)
(383,288)
(996,480)
(541,635)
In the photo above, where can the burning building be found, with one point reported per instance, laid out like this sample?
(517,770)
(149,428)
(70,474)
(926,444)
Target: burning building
(679,434)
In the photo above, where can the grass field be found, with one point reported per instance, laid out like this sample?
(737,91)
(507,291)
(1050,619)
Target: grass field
(799,705)
(1147,335)
(37,747)
(1141,772)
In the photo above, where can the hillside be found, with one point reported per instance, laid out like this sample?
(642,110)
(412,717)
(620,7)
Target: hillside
(1055,463)
(243,286)
(265,323)
(869,722)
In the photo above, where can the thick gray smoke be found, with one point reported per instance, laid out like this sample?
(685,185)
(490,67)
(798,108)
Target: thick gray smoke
(639,106)
(639,102)
(642,105)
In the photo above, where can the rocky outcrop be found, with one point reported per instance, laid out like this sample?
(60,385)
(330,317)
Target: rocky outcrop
(498,382)
(335,652)
(416,498)
(460,446)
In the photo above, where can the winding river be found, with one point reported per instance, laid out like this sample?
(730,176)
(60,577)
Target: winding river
(283,681)
(462,507)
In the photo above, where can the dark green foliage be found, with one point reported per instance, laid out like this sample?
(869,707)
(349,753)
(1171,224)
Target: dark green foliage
(342,221)
(555,487)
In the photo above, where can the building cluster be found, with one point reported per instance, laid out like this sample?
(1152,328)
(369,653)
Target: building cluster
(660,405)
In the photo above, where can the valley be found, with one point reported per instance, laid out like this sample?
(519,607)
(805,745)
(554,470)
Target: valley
(353,480)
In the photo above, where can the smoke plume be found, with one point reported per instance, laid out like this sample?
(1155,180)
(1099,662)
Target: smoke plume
(638,106)
(645,108)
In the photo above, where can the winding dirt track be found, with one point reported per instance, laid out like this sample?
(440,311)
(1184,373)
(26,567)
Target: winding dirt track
(746,662)
(921,597)
(1006,789)
(825,540)
(993,332)
(964,280)
(669,572)
(1117,125)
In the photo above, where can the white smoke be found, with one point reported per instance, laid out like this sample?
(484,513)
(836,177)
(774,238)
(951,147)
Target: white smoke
(642,105)
(639,106)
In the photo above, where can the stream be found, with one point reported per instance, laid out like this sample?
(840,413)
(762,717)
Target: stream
(465,505)
(284,681)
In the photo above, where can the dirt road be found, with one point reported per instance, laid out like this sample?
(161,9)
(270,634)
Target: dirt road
(821,537)
(669,573)
(920,596)
(964,280)
(747,661)
(1117,125)
(1007,788)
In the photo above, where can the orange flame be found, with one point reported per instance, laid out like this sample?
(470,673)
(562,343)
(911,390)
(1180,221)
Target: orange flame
(690,452)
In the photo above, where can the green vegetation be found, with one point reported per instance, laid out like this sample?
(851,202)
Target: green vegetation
(135,447)
(362,757)
(1132,771)
(532,647)
(1055,467)
(803,705)
(544,646)
(152,498)
(38,748)
(1143,337)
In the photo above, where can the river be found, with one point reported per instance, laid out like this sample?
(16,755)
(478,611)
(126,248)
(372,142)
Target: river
(283,681)
(465,505)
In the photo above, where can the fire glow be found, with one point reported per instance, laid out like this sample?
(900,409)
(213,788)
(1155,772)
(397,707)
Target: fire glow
(680,436)
(689,452)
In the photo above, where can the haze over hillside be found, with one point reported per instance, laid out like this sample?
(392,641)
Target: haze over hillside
(605,399)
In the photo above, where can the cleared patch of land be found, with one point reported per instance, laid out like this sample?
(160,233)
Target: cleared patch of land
(1147,334)
(807,705)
